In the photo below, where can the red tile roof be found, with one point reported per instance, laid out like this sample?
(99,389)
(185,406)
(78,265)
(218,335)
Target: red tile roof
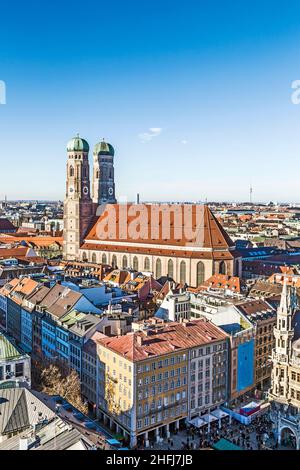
(167,339)
(197,222)
(220,281)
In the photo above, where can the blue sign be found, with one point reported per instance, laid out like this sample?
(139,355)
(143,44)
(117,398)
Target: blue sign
(245,365)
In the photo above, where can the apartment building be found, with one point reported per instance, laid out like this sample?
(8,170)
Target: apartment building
(144,378)
(263,316)
(222,310)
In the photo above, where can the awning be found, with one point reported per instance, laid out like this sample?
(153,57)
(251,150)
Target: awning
(197,422)
(113,442)
(208,418)
(224,444)
(219,414)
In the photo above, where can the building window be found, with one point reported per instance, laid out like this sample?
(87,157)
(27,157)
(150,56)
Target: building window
(200,273)
(170,268)
(222,267)
(94,258)
(84,257)
(124,262)
(104,259)
(71,171)
(114,261)
(147,264)
(135,263)
(183,272)
(158,268)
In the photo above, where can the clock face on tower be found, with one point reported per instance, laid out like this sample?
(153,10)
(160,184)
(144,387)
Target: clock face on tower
(110,191)
(85,190)
(71,189)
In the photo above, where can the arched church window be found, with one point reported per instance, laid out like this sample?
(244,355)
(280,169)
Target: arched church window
(84,257)
(182,272)
(114,261)
(84,172)
(158,268)
(147,264)
(104,259)
(97,174)
(124,262)
(71,171)
(135,263)
(170,268)
(222,268)
(94,258)
(200,273)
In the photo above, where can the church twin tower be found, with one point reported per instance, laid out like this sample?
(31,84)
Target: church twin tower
(80,205)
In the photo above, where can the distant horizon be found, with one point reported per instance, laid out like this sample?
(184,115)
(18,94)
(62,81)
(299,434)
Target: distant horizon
(245,203)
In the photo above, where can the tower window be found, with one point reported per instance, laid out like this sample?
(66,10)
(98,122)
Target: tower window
(71,171)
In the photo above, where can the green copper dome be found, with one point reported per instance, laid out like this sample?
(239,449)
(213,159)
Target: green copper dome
(77,144)
(103,148)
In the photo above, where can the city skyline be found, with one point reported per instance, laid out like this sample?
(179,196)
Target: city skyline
(200,103)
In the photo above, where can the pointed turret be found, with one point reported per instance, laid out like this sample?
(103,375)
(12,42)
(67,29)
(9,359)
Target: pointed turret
(284,300)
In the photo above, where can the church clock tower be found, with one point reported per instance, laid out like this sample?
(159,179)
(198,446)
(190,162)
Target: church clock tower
(103,176)
(78,206)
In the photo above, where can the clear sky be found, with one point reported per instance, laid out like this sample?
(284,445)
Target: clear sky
(195,96)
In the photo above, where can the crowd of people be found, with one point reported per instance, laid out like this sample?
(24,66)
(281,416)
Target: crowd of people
(256,436)
(248,437)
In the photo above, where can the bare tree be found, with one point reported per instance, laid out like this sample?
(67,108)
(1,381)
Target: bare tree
(55,382)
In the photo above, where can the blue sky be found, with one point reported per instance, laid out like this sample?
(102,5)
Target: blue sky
(213,79)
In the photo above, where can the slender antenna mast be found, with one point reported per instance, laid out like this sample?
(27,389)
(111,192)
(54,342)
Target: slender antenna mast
(251,191)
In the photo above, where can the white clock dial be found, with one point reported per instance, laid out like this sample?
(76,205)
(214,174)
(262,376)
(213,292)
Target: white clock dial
(110,191)
(85,190)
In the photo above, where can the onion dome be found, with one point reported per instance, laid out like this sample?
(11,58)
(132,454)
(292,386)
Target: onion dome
(104,148)
(77,144)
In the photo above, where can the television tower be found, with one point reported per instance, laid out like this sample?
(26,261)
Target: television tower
(251,191)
